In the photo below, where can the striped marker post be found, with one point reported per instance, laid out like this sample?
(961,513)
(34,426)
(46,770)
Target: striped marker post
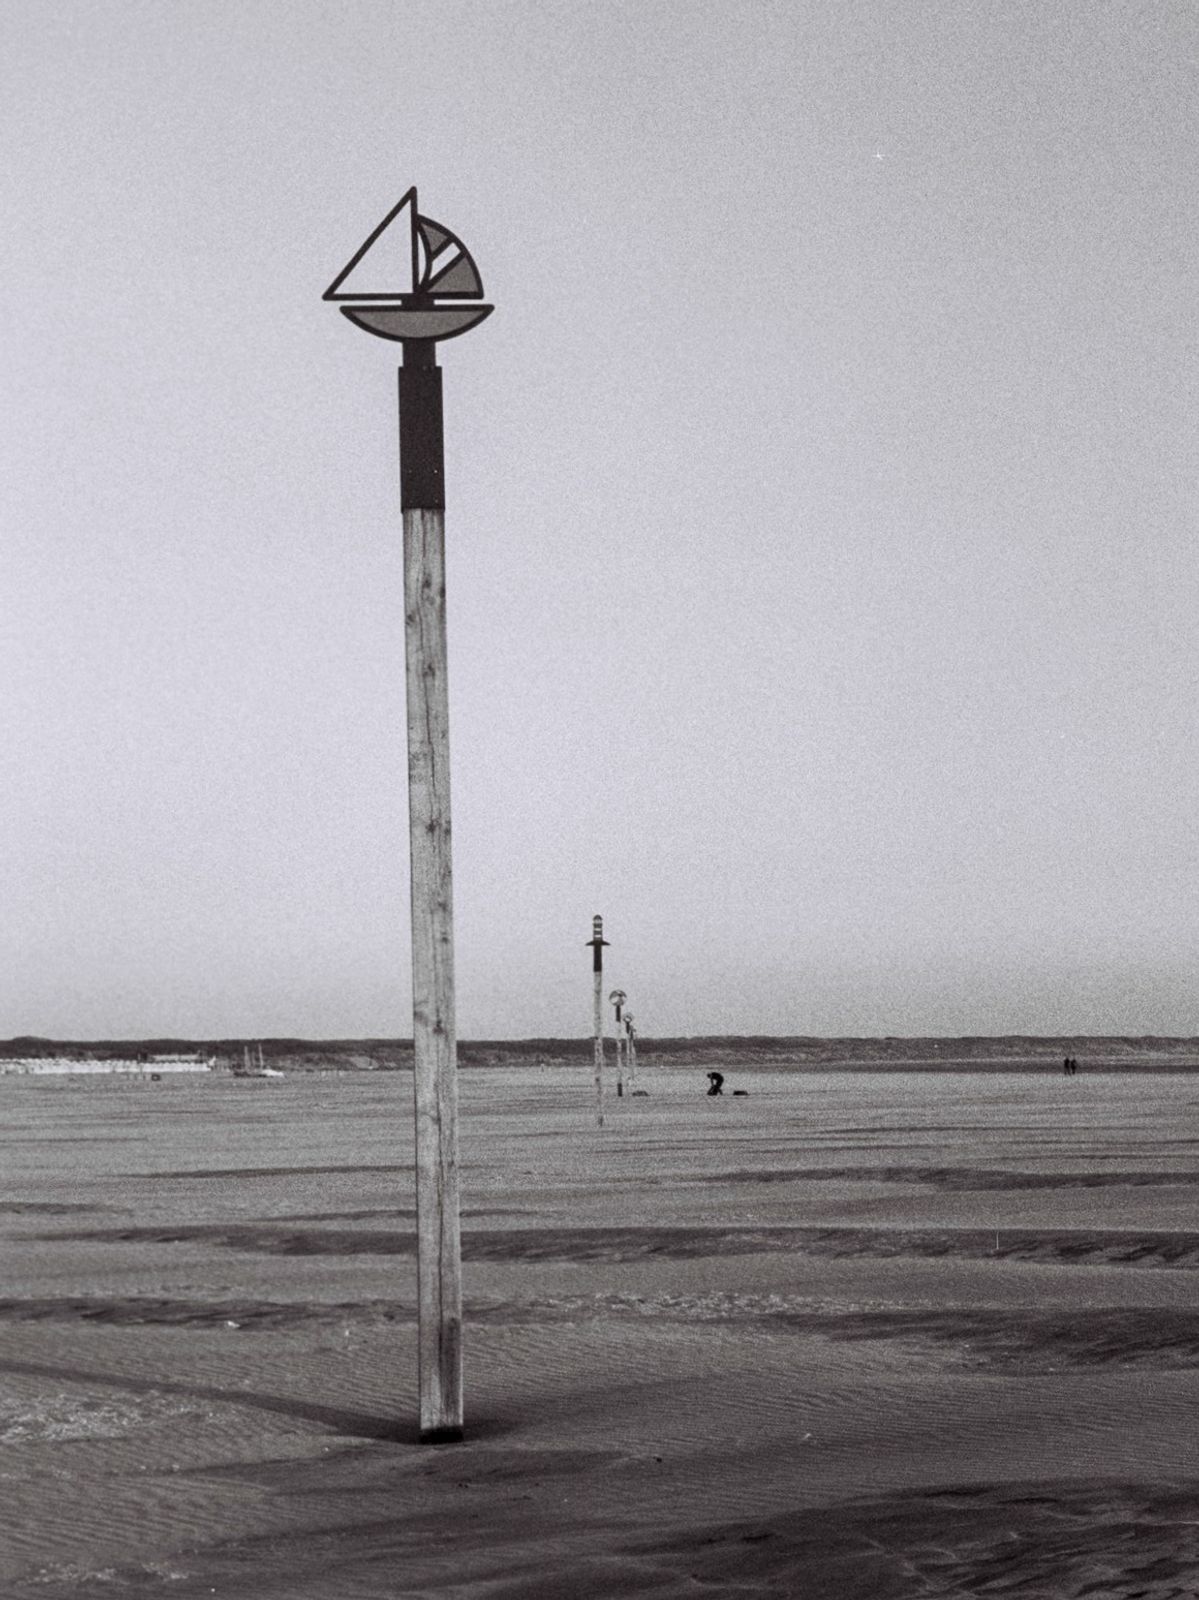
(597,943)
(617,999)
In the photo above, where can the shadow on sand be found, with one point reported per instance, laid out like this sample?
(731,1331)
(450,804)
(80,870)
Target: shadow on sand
(351,1424)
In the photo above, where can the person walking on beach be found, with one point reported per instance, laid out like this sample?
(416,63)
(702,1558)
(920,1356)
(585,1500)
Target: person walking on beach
(716,1083)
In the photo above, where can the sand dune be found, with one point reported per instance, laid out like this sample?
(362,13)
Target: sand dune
(702,1357)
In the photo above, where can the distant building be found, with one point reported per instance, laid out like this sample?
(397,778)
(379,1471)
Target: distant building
(136,1066)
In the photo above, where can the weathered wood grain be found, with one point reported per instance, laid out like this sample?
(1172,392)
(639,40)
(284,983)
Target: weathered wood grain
(439,1268)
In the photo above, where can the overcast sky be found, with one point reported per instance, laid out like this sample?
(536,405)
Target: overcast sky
(822,492)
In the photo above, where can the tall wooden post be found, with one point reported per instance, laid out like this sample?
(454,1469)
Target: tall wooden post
(423,285)
(597,943)
(434,1039)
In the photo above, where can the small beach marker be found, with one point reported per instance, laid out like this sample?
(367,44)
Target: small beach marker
(597,943)
(617,999)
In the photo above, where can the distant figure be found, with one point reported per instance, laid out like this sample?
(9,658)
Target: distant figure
(716,1083)
(1066,1066)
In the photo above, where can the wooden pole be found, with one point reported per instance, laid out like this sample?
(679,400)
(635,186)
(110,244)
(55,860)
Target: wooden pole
(434,1038)
(409,288)
(617,997)
(598,1051)
(597,943)
(631,1048)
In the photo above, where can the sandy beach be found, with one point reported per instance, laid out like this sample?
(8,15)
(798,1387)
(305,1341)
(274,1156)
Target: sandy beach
(853,1334)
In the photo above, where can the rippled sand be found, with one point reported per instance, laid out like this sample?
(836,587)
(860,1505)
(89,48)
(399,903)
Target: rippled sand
(851,1335)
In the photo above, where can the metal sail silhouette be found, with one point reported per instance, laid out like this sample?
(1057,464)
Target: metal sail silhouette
(405,269)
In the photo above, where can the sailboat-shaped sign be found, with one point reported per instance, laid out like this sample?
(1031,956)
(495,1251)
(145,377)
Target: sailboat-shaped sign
(407,270)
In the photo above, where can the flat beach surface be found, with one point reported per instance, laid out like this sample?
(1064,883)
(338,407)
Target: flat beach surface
(852,1335)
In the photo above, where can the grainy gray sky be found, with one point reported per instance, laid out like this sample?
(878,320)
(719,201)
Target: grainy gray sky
(821,520)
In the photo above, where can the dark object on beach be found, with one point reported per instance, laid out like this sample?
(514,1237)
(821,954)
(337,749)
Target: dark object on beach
(716,1083)
(737,1092)
(156,1077)
(644,1093)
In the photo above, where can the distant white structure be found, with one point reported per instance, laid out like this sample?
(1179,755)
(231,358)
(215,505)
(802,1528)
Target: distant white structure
(129,1066)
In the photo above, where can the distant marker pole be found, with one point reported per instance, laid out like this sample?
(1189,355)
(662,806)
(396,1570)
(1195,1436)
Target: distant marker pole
(414,282)
(597,943)
(631,1047)
(617,998)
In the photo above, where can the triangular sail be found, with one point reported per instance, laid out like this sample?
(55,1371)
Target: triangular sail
(460,277)
(436,237)
(385,265)
(450,269)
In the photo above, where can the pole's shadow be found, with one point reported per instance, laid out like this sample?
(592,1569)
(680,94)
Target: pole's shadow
(353,1424)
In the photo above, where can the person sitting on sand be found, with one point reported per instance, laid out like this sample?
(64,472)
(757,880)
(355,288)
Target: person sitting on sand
(716,1083)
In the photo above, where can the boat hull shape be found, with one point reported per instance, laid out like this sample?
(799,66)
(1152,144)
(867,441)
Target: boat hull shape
(404,322)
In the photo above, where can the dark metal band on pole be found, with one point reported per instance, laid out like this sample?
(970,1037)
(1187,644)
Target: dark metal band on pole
(439,1271)
(422,433)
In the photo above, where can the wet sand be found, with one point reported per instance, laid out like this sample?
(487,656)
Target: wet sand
(853,1335)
